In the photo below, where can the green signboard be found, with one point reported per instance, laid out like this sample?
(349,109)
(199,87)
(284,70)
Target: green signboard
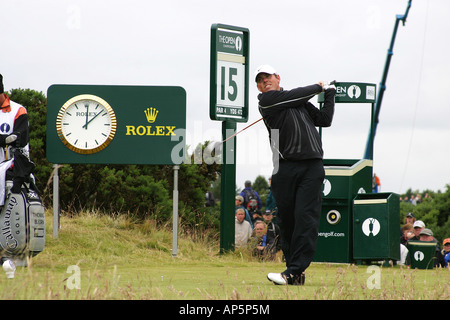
(228,102)
(356,92)
(353,92)
(229,73)
(115,124)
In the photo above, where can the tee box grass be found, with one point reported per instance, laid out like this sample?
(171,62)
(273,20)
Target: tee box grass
(100,257)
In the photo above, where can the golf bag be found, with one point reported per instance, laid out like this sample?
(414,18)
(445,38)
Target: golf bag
(22,221)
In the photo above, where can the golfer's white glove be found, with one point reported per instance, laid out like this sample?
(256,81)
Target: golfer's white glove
(329,85)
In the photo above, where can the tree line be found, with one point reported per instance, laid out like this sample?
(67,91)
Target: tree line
(146,190)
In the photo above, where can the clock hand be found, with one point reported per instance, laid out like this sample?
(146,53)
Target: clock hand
(87,115)
(85,126)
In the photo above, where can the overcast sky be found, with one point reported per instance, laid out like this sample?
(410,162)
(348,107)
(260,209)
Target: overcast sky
(168,43)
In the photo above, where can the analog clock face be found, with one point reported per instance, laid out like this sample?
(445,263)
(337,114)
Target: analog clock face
(86,124)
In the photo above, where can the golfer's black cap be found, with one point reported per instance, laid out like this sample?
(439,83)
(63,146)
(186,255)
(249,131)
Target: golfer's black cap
(1,84)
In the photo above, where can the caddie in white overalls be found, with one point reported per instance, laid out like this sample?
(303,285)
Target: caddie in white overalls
(14,152)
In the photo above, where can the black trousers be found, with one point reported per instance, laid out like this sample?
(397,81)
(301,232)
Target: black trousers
(297,189)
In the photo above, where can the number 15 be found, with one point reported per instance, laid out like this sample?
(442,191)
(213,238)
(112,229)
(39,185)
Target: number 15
(231,94)
(230,84)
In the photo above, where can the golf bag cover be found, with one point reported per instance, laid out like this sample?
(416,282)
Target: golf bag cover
(22,223)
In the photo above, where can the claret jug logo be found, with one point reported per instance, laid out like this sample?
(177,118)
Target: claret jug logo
(159,130)
(371,227)
(151,114)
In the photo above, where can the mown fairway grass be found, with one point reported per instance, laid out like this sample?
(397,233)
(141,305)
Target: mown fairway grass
(121,259)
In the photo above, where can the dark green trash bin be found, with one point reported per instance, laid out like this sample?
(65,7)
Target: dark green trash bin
(376,219)
(344,179)
(422,254)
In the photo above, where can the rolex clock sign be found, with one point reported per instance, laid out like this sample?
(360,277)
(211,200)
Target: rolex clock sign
(115,124)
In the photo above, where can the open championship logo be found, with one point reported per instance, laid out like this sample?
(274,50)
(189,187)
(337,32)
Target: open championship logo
(326,187)
(238,43)
(354,92)
(371,226)
(5,127)
(419,256)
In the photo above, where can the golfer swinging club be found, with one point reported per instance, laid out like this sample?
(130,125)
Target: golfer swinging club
(297,184)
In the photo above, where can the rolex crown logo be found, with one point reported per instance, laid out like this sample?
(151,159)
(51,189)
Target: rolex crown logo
(151,114)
